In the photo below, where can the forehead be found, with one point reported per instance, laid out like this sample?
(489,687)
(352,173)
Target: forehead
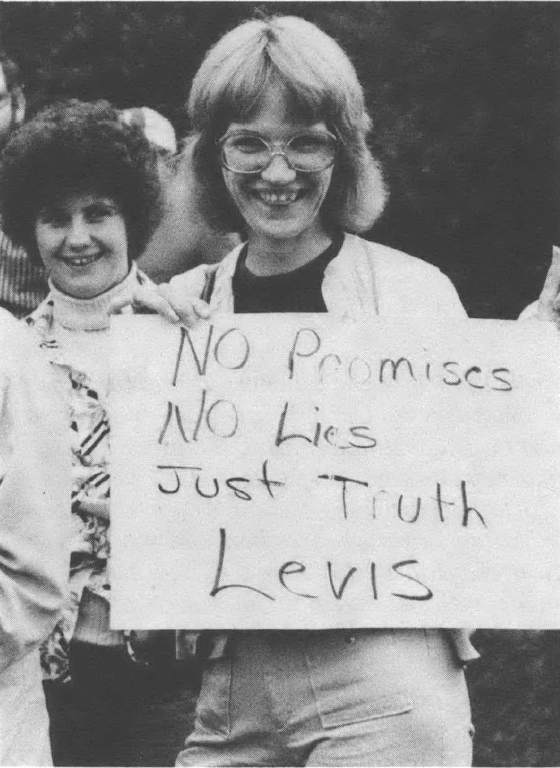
(275,114)
(78,198)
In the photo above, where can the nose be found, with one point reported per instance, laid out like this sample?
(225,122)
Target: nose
(78,235)
(278,171)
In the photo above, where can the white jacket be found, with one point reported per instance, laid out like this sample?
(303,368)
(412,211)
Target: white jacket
(364,279)
(34,494)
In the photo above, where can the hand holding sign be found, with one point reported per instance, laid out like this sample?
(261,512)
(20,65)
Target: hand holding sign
(177,301)
(345,476)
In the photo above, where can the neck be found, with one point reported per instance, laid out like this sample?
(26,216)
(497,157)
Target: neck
(267,256)
(89,314)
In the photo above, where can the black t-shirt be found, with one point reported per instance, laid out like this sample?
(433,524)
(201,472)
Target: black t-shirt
(295,291)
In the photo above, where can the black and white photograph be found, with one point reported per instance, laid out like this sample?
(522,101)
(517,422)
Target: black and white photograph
(279,383)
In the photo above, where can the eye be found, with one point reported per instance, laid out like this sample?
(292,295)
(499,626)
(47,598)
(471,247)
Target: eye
(54,217)
(247,144)
(309,143)
(98,212)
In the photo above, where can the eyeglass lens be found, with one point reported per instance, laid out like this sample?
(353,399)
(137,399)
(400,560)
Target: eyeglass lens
(305,152)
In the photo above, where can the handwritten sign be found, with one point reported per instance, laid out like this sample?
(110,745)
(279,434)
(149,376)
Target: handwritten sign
(291,472)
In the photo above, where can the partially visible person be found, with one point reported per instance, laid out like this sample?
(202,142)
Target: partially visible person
(79,190)
(181,241)
(12,98)
(34,537)
(184,238)
(547,307)
(22,284)
(155,127)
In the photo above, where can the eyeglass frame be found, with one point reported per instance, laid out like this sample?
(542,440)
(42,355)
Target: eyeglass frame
(273,153)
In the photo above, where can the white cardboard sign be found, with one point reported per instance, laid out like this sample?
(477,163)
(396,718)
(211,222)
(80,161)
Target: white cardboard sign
(288,471)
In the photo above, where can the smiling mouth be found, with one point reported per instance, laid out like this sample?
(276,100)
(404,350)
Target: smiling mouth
(81,261)
(277,198)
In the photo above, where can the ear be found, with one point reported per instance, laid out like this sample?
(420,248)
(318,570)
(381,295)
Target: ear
(18,105)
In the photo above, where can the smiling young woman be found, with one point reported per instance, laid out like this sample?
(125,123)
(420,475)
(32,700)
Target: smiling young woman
(280,155)
(80,191)
(278,199)
(82,241)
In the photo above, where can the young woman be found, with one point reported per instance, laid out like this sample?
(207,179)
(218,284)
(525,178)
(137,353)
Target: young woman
(80,191)
(280,155)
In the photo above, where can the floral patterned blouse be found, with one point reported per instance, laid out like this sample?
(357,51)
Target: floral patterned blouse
(73,332)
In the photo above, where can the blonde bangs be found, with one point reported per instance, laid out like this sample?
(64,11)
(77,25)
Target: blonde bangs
(318,82)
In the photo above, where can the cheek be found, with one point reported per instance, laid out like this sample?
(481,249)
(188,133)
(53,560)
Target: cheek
(230,184)
(117,235)
(237,187)
(45,241)
(326,183)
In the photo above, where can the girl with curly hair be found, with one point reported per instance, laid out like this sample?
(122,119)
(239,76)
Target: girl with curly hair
(79,191)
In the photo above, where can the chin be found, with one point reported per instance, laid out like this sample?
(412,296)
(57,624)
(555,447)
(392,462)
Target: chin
(284,231)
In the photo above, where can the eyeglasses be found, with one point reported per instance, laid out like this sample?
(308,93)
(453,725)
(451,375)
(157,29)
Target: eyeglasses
(306,152)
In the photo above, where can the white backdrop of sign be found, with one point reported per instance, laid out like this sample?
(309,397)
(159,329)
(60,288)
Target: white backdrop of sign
(286,471)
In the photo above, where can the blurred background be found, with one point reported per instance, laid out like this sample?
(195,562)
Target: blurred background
(466,110)
(464,97)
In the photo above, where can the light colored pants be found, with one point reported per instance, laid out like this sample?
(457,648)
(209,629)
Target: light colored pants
(24,723)
(360,698)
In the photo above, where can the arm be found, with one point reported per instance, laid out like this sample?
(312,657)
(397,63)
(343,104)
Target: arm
(179,300)
(34,495)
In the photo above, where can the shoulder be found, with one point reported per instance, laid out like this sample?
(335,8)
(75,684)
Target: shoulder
(194,281)
(14,335)
(8,323)
(404,284)
(391,263)
(21,357)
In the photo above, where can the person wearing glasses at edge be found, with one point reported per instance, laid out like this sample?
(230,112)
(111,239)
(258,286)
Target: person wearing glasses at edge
(80,191)
(280,155)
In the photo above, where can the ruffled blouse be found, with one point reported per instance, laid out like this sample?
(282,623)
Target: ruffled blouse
(74,333)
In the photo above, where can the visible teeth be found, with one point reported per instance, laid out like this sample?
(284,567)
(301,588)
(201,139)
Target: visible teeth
(278,197)
(80,262)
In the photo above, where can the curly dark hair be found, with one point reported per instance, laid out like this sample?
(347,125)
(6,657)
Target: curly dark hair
(74,145)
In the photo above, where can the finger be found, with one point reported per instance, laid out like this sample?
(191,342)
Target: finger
(117,305)
(193,311)
(201,308)
(152,300)
(191,283)
(144,300)
(551,285)
(189,309)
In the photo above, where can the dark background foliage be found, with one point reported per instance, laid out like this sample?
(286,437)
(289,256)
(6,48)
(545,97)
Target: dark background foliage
(464,98)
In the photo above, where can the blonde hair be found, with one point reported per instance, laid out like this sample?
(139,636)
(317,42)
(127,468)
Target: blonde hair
(318,82)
